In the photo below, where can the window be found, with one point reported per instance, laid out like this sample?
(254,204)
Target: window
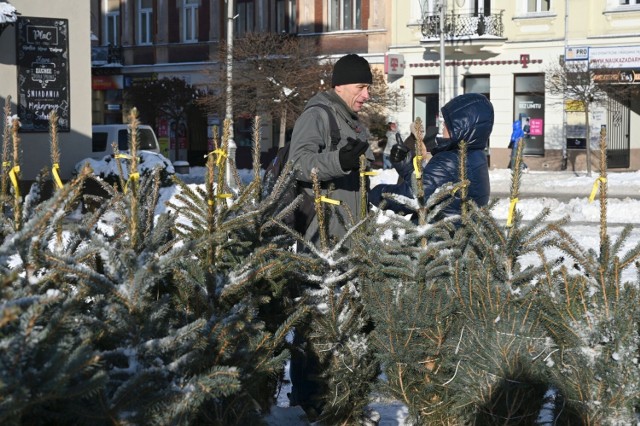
(285,19)
(622,5)
(111,31)
(145,21)
(425,100)
(190,20)
(534,6)
(529,102)
(480,7)
(112,28)
(477,84)
(345,15)
(244,21)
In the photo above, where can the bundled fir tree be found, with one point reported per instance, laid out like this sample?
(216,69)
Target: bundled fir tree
(409,264)
(48,363)
(237,275)
(331,351)
(114,318)
(456,313)
(596,317)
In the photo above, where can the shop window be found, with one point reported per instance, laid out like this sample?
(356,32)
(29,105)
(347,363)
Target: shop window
(529,107)
(477,84)
(426,100)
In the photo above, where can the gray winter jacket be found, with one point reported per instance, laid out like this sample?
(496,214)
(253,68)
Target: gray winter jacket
(311,149)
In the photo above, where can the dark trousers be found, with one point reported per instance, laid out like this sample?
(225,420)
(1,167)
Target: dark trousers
(308,386)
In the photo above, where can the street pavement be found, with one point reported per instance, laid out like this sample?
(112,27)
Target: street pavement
(564,184)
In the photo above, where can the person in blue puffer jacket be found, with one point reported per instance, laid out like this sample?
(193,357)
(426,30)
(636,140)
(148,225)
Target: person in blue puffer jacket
(468,118)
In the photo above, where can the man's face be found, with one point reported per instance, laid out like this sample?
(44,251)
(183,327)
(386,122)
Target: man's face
(354,95)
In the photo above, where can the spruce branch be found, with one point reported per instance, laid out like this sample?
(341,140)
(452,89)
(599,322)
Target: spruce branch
(15,173)
(602,181)
(6,137)
(256,150)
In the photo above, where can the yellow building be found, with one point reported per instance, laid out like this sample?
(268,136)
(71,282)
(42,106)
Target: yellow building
(504,49)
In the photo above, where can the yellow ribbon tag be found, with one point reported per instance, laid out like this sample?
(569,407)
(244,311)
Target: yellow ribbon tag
(371,173)
(13,174)
(125,156)
(417,166)
(221,155)
(223,195)
(56,174)
(454,190)
(512,207)
(324,199)
(132,177)
(211,202)
(594,190)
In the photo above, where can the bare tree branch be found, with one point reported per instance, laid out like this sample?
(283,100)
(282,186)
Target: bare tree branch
(278,74)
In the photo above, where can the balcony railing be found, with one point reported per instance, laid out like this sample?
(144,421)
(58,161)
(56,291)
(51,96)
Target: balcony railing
(462,25)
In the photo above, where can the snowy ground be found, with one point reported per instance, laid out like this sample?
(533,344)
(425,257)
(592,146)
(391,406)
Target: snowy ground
(565,193)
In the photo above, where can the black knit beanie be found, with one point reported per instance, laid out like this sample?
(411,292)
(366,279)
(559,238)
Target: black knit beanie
(351,69)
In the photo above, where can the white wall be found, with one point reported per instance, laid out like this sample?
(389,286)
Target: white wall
(76,144)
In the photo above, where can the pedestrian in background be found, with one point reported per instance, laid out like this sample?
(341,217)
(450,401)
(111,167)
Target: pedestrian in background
(393,139)
(518,136)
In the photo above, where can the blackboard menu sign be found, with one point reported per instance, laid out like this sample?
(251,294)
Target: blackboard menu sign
(43,72)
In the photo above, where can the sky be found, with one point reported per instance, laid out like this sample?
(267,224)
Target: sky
(565,193)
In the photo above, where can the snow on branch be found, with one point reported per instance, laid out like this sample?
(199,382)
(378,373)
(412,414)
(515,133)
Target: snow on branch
(8,14)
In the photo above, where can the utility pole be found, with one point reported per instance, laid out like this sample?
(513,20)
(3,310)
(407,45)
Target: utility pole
(563,164)
(441,80)
(231,150)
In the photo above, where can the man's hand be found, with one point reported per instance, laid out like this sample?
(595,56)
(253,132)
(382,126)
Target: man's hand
(398,153)
(349,155)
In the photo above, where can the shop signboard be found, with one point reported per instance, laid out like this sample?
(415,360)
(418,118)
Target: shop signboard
(530,109)
(43,73)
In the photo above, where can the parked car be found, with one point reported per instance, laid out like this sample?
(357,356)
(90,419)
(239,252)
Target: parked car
(105,166)
(104,135)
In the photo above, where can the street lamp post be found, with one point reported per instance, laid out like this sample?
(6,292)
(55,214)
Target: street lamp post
(231,150)
(441,80)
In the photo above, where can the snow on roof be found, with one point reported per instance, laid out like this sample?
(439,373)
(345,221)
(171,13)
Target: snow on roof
(8,14)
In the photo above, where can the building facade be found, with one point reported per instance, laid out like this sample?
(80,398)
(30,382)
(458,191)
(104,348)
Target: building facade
(153,39)
(504,49)
(501,48)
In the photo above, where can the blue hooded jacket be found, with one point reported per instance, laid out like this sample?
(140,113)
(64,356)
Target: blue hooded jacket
(516,134)
(468,117)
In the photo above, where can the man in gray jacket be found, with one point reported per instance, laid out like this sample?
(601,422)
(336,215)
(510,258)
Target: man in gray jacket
(337,167)
(338,170)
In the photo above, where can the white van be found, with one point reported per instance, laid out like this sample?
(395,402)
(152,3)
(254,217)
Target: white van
(103,136)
